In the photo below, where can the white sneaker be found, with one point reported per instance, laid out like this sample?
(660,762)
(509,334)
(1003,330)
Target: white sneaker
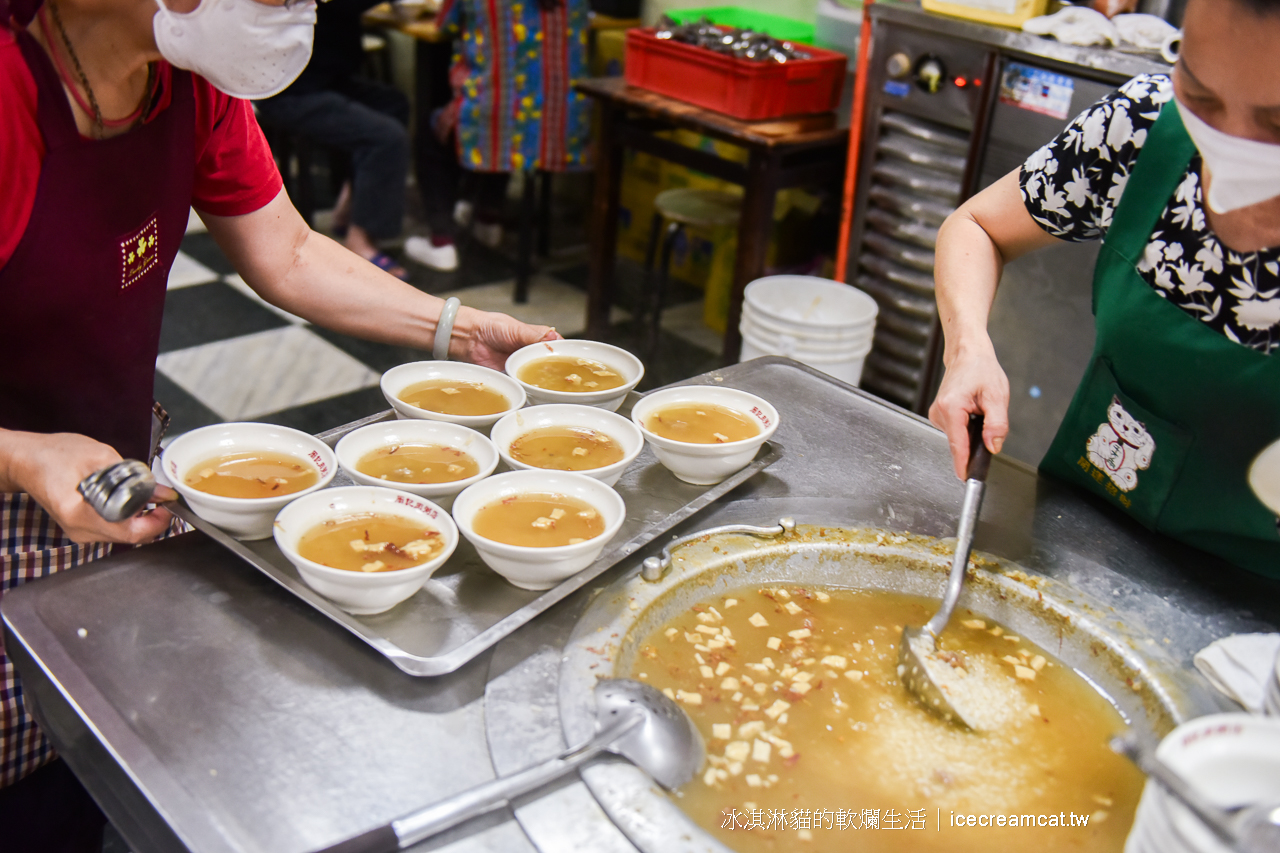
(462,211)
(442,258)
(488,233)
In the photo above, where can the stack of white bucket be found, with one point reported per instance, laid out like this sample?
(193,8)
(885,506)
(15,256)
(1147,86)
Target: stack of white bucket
(825,324)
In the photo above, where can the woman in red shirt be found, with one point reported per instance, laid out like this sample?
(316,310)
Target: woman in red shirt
(117,117)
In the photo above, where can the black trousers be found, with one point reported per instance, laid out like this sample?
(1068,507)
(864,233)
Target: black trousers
(443,181)
(369,121)
(50,812)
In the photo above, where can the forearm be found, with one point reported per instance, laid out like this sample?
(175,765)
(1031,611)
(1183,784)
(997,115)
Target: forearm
(312,276)
(12,451)
(967,268)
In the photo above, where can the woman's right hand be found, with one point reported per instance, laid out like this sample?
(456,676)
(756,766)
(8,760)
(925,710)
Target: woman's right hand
(974,382)
(49,467)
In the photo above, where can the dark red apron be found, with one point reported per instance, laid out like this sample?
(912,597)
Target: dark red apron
(83,292)
(82,299)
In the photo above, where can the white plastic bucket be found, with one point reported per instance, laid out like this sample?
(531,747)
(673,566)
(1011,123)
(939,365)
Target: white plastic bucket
(816,321)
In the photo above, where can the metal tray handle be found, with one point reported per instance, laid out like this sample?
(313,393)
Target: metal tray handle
(654,568)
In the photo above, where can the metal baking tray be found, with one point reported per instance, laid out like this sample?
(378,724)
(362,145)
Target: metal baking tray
(465,607)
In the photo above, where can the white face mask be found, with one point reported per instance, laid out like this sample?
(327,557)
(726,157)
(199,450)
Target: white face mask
(244,48)
(1242,171)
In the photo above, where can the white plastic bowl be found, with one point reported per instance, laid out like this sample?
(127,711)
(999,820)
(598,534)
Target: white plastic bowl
(243,518)
(362,593)
(611,424)
(398,378)
(538,568)
(706,464)
(353,447)
(631,368)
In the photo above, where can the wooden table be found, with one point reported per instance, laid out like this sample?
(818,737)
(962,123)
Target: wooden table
(782,153)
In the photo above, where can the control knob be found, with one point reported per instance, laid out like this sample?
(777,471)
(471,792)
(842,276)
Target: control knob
(930,74)
(898,65)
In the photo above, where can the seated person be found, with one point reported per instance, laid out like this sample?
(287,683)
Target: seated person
(333,106)
(519,113)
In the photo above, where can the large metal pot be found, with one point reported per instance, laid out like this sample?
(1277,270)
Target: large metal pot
(1143,681)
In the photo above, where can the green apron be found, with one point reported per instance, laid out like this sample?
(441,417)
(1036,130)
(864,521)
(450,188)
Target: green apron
(1170,413)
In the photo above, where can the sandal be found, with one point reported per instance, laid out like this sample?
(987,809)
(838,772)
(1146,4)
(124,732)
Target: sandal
(388,264)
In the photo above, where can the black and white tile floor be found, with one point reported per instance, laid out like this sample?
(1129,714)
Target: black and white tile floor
(227,355)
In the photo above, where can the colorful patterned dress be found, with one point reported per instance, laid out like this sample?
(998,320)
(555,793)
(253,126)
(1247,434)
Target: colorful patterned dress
(514,68)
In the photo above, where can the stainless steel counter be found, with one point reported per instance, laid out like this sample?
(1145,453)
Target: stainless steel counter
(208,710)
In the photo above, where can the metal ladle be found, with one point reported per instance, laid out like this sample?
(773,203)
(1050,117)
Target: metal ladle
(1249,829)
(632,720)
(911,668)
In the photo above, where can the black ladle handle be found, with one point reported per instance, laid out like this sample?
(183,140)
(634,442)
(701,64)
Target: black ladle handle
(979,456)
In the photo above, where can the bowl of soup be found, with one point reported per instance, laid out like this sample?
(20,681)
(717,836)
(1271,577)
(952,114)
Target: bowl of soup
(430,459)
(587,373)
(703,433)
(465,394)
(365,548)
(536,528)
(238,475)
(563,437)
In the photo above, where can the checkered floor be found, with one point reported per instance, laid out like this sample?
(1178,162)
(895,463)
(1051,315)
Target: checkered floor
(226,355)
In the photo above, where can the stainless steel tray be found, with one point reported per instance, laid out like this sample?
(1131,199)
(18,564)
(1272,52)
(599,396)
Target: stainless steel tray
(465,607)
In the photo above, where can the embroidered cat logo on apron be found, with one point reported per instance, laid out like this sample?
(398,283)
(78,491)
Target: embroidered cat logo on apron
(1121,447)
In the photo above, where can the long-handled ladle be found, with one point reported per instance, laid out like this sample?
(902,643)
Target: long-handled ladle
(632,720)
(911,667)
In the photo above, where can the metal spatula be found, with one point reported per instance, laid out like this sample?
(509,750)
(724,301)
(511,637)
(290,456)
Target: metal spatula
(911,668)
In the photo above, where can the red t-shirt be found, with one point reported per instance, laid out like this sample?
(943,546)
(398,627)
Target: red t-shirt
(235,172)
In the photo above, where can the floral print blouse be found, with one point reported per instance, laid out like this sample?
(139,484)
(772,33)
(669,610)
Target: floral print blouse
(1072,185)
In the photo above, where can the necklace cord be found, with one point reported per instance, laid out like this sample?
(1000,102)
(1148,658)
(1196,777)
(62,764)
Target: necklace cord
(92,108)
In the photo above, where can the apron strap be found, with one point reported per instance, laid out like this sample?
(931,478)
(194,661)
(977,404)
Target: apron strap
(1161,165)
(53,110)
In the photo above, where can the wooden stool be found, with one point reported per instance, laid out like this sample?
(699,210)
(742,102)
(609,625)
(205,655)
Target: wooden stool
(674,210)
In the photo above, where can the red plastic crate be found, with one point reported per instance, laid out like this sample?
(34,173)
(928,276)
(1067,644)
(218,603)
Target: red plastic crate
(737,87)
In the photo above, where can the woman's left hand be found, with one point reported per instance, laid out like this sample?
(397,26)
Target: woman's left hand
(487,338)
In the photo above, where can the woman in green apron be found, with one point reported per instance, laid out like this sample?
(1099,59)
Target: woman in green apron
(1181,179)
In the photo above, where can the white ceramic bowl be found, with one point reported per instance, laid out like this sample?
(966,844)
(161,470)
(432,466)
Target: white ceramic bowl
(706,464)
(362,592)
(400,377)
(243,518)
(538,568)
(1232,759)
(611,424)
(631,368)
(1264,476)
(355,444)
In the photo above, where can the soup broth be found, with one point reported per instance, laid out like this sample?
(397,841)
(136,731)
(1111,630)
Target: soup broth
(807,727)
(566,449)
(701,423)
(252,474)
(539,520)
(418,463)
(570,373)
(371,542)
(455,397)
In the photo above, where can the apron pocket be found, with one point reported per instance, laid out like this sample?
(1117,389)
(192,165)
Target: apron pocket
(1116,448)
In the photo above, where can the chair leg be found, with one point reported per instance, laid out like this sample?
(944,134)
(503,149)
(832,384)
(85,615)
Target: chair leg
(659,292)
(524,262)
(544,214)
(650,257)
